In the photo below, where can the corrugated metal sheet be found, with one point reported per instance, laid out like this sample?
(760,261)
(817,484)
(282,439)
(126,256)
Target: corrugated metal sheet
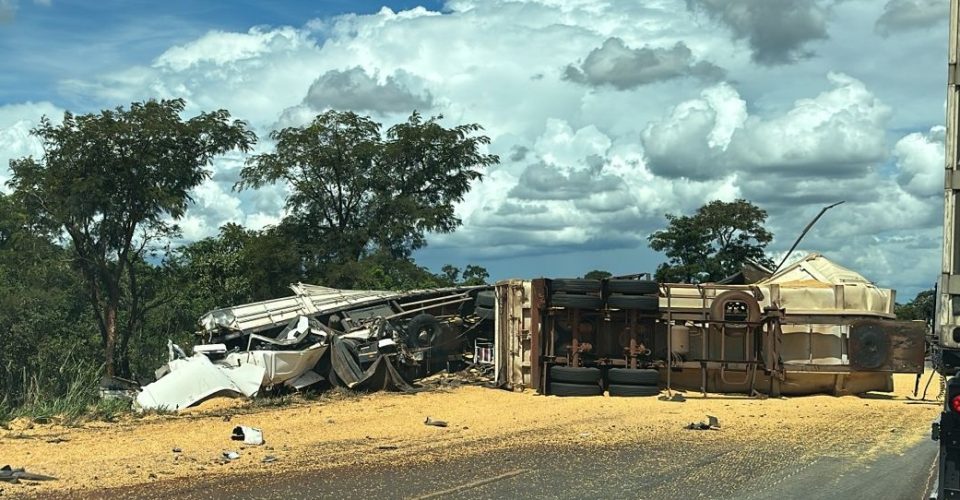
(308,300)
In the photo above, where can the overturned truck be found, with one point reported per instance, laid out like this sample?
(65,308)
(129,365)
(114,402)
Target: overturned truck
(358,339)
(814,327)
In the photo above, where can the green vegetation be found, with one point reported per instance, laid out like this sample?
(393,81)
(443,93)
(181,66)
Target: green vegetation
(713,243)
(922,307)
(91,286)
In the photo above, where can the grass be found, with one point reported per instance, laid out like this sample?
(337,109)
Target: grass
(67,394)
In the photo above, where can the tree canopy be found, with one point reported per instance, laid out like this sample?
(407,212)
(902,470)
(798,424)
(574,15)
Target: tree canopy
(922,307)
(713,243)
(597,274)
(357,192)
(114,182)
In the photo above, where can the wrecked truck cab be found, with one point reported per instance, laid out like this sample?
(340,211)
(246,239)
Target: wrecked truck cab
(359,339)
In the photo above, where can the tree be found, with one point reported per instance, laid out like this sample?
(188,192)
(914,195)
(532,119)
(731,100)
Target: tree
(922,307)
(356,192)
(713,243)
(597,274)
(114,183)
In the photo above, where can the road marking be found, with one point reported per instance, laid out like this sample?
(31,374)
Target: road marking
(473,484)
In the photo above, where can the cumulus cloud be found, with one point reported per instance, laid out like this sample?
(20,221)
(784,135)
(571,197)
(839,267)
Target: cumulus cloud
(919,160)
(838,133)
(778,31)
(354,89)
(16,121)
(616,65)
(592,173)
(906,15)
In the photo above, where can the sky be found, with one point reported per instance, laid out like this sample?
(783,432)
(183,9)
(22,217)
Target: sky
(606,114)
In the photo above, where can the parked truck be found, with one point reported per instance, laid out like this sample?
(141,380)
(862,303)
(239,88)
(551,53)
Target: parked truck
(945,346)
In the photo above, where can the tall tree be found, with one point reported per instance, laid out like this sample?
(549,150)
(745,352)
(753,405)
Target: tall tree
(713,243)
(115,182)
(358,192)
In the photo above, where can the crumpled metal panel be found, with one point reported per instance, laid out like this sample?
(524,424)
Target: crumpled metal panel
(887,346)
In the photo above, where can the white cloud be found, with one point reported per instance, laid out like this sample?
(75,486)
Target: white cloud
(920,160)
(16,122)
(593,164)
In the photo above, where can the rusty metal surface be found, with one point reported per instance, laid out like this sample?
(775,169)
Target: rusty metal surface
(887,346)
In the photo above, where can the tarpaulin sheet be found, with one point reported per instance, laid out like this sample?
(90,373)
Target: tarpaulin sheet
(343,369)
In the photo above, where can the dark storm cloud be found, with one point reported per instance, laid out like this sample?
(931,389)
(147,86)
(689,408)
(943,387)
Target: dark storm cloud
(355,90)
(905,15)
(622,67)
(518,153)
(777,30)
(547,182)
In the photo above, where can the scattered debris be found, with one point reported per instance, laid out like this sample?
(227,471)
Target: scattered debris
(712,424)
(249,435)
(11,475)
(676,398)
(231,455)
(435,423)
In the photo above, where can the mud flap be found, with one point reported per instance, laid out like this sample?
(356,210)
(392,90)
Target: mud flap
(887,346)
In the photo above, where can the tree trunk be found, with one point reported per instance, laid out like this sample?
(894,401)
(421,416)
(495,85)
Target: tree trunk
(110,317)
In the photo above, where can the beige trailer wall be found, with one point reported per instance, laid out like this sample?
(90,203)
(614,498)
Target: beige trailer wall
(512,333)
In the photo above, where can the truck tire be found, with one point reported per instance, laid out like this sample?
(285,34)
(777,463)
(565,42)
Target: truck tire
(633,390)
(565,389)
(484,312)
(634,287)
(422,331)
(575,285)
(640,303)
(486,298)
(627,376)
(575,374)
(576,301)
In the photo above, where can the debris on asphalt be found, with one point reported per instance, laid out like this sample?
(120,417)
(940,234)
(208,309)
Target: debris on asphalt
(9,474)
(249,435)
(435,423)
(712,424)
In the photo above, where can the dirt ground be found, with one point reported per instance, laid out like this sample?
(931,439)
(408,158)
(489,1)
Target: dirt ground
(389,428)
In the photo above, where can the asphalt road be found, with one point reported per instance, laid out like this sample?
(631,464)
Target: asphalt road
(581,471)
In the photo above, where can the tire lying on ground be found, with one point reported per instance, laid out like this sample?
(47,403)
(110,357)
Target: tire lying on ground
(641,303)
(627,376)
(486,298)
(566,389)
(633,390)
(575,285)
(635,287)
(484,312)
(561,299)
(575,374)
